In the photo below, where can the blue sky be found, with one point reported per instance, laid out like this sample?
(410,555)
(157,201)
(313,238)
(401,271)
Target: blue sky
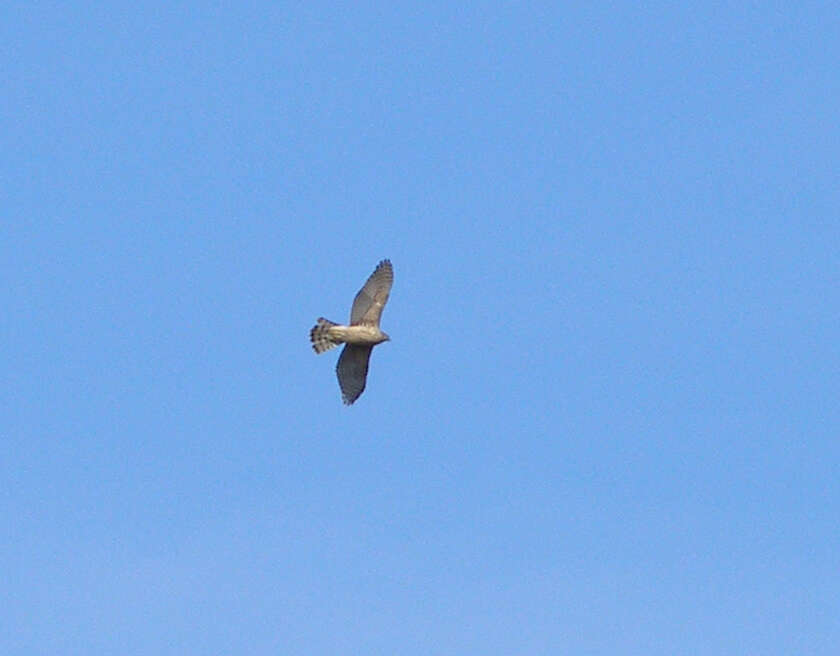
(607,420)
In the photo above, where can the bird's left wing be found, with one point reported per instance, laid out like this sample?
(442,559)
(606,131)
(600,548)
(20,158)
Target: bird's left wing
(352,371)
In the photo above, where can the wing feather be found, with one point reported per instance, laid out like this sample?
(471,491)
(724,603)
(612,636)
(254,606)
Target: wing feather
(371,299)
(352,371)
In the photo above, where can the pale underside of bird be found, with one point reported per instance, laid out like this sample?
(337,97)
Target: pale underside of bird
(360,336)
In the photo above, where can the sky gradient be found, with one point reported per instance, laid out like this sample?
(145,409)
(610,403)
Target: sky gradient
(607,421)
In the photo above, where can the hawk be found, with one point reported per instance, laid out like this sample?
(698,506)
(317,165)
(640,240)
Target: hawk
(360,336)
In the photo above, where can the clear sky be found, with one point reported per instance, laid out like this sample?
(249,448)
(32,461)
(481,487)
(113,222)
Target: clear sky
(607,421)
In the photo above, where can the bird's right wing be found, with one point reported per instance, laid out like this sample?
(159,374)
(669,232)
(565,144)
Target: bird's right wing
(368,304)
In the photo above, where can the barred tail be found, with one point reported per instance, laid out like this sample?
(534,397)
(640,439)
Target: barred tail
(320,336)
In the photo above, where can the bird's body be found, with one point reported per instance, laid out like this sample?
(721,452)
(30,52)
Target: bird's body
(326,335)
(360,336)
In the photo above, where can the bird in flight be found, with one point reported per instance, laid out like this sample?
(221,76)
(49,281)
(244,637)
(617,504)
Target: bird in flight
(360,336)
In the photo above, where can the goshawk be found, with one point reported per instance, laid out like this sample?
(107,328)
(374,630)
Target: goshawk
(360,336)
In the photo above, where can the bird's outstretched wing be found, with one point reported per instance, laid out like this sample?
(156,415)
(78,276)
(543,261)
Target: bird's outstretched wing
(352,371)
(368,304)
